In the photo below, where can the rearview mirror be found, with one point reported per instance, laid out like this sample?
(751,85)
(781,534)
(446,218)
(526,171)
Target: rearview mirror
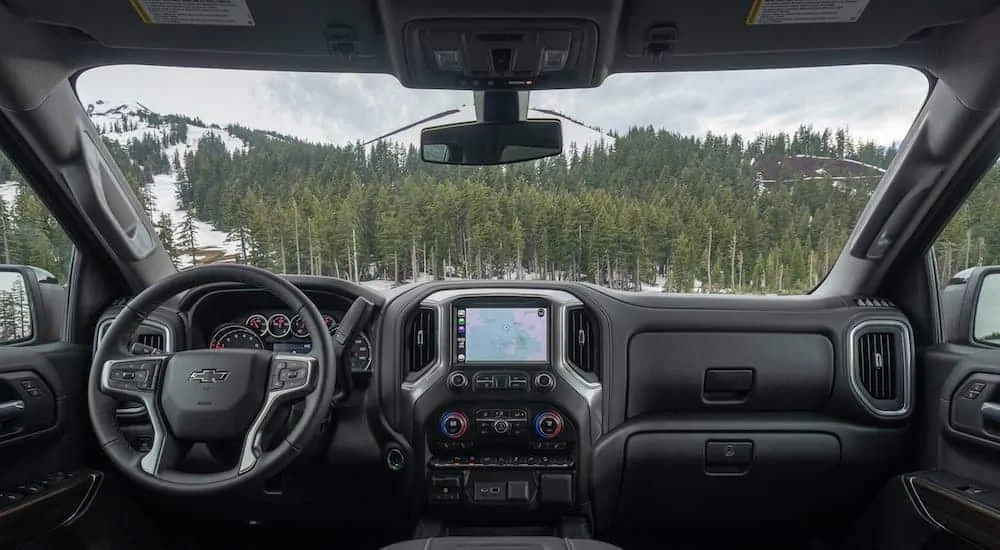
(487,143)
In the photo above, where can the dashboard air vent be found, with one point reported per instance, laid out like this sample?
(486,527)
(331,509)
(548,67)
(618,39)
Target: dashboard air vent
(880,366)
(151,339)
(877,363)
(582,345)
(420,339)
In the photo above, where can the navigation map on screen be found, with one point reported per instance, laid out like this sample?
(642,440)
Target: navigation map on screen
(514,334)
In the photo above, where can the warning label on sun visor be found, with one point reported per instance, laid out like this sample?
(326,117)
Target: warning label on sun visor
(804,12)
(194,12)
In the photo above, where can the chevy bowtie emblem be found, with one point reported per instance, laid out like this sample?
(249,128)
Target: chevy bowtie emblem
(209,376)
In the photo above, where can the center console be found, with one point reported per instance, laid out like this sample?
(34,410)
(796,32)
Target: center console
(504,419)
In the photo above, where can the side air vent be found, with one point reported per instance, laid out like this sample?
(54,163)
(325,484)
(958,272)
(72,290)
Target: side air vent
(151,339)
(881,370)
(873,302)
(582,340)
(149,334)
(420,345)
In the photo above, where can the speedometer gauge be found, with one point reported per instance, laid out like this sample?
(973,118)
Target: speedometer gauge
(257,323)
(235,337)
(299,327)
(279,325)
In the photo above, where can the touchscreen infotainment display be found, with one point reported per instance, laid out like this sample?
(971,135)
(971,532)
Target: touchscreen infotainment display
(502,334)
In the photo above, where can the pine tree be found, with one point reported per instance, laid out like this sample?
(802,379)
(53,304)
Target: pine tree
(187,235)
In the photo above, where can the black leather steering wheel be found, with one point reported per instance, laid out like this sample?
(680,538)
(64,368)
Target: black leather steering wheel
(209,395)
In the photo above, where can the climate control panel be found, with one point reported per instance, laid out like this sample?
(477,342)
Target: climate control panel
(501,426)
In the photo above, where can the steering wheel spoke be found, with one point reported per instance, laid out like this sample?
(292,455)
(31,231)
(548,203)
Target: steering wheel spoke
(139,378)
(290,377)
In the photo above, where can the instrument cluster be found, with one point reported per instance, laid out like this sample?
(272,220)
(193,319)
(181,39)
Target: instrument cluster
(280,332)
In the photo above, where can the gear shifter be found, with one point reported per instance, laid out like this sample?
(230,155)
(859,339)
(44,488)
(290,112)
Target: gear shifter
(350,326)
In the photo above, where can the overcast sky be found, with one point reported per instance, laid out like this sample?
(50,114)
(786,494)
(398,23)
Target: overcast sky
(874,102)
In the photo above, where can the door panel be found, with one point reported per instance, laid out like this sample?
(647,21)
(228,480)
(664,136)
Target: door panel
(957,490)
(44,441)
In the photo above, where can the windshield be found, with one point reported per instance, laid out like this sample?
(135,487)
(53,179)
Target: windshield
(726,182)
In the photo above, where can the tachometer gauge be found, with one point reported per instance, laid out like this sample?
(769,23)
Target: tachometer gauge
(299,327)
(257,323)
(360,354)
(279,325)
(235,337)
(331,323)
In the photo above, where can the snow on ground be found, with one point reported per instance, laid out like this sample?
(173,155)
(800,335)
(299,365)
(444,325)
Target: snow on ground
(212,243)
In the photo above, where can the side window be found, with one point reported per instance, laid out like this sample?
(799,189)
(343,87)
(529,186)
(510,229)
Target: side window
(972,238)
(35,254)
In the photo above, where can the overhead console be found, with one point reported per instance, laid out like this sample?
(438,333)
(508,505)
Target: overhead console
(492,54)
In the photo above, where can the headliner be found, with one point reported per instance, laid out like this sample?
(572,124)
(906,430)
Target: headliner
(292,34)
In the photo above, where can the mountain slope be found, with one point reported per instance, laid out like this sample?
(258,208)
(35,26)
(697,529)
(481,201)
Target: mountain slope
(647,209)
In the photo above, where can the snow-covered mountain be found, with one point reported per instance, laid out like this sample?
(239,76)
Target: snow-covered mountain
(125,122)
(122,123)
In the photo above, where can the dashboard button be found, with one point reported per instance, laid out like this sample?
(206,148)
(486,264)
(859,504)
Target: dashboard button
(544,381)
(458,381)
(454,424)
(501,426)
(548,424)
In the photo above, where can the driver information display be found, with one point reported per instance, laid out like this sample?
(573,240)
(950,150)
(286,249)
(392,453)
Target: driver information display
(512,334)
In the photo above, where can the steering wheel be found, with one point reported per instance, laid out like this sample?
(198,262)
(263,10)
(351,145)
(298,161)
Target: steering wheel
(209,395)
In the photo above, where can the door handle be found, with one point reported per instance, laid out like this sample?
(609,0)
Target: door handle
(990,411)
(11,410)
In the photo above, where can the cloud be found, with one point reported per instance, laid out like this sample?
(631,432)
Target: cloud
(874,102)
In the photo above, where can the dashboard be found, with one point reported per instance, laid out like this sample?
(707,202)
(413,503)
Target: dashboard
(282,331)
(242,318)
(538,401)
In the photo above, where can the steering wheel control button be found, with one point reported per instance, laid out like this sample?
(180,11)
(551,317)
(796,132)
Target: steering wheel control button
(137,375)
(548,424)
(545,381)
(458,381)
(454,424)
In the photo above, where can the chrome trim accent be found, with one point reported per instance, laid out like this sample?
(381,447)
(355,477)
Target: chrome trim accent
(150,462)
(168,337)
(251,444)
(88,499)
(905,333)
(168,344)
(562,301)
(914,497)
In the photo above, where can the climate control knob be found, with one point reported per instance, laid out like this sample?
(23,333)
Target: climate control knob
(458,381)
(545,381)
(454,424)
(548,424)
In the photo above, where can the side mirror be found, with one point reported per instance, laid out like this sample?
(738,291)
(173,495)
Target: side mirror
(986,314)
(19,295)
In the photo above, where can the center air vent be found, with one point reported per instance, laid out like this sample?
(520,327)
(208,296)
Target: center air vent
(582,341)
(420,344)
(880,366)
